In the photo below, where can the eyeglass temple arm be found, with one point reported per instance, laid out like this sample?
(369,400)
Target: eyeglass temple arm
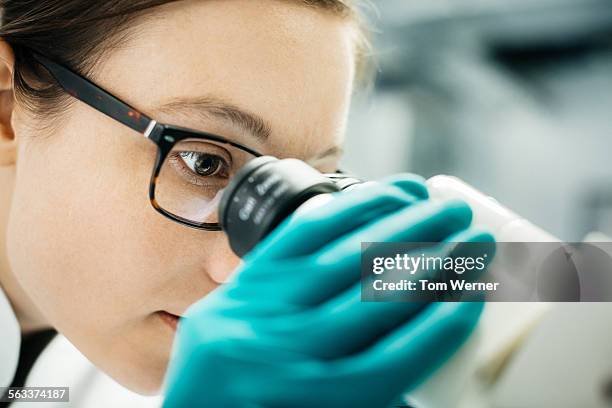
(96,97)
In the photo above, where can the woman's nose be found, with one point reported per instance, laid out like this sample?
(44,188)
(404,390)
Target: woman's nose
(223,262)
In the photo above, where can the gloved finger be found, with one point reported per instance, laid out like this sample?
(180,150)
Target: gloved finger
(481,246)
(339,262)
(339,328)
(423,222)
(412,352)
(410,183)
(304,233)
(346,324)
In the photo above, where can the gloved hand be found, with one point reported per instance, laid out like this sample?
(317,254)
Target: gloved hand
(291,331)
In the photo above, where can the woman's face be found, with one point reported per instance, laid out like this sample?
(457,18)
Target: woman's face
(83,240)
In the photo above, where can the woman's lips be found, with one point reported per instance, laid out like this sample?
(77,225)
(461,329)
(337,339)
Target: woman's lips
(168,318)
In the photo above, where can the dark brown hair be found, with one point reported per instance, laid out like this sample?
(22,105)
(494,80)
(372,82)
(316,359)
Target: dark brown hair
(77,33)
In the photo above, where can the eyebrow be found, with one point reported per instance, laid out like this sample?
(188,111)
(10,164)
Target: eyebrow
(330,152)
(205,107)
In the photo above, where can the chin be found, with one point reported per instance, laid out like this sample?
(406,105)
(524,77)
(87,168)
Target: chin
(147,383)
(140,372)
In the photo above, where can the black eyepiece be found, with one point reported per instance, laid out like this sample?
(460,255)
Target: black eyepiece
(264,192)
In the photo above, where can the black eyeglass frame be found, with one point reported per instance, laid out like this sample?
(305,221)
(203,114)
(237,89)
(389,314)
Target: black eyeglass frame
(165,136)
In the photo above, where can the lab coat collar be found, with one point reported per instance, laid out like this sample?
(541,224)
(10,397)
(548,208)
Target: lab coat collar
(10,341)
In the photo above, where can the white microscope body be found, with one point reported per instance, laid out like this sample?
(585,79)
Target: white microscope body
(522,355)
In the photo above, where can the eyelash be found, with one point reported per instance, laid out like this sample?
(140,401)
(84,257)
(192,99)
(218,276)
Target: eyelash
(177,160)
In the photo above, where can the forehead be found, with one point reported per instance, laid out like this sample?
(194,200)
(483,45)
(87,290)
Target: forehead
(289,64)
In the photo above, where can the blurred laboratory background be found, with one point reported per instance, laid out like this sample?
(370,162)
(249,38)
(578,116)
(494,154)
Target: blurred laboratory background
(515,97)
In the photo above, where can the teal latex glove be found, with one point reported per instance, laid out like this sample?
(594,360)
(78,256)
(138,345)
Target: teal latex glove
(291,331)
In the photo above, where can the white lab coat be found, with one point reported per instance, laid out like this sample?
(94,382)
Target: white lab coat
(62,365)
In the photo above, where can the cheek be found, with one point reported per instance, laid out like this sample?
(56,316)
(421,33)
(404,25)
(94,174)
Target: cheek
(80,231)
(83,242)
(88,248)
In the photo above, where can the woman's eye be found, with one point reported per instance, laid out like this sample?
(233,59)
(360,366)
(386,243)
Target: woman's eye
(204,164)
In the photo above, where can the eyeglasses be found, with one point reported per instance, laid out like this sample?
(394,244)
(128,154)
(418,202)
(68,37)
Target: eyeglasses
(191,168)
